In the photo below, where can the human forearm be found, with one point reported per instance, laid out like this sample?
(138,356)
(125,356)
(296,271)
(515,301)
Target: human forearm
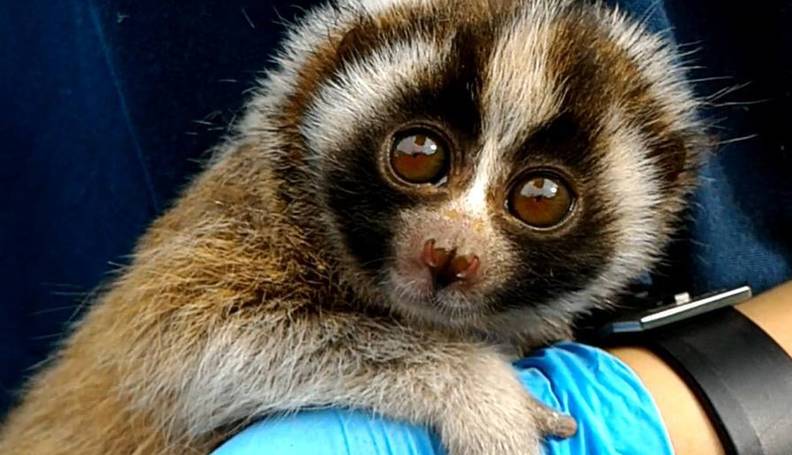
(689,426)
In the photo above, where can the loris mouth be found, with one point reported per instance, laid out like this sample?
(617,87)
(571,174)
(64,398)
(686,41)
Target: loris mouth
(436,295)
(445,307)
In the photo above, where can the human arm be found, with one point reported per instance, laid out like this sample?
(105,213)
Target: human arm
(688,425)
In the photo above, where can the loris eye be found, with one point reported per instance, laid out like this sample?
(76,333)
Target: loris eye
(541,200)
(419,156)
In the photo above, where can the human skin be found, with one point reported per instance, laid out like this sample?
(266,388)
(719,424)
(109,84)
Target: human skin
(689,427)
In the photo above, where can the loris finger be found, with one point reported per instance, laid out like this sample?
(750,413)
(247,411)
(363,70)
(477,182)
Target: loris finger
(554,423)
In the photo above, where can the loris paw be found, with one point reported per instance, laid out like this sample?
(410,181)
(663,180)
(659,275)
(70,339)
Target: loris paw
(553,423)
(505,425)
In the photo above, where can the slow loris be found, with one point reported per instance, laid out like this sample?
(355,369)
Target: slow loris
(417,184)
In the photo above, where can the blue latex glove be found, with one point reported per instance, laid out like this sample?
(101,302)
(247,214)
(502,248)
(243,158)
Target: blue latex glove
(614,411)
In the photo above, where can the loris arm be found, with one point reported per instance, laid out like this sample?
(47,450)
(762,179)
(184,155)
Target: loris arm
(467,392)
(614,411)
(246,366)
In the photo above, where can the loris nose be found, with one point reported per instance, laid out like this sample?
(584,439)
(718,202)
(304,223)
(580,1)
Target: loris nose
(448,267)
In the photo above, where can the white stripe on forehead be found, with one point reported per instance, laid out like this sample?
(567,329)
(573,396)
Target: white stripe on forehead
(518,92)
(366,90)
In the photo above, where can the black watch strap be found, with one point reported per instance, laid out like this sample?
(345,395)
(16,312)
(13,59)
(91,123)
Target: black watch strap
(742,377)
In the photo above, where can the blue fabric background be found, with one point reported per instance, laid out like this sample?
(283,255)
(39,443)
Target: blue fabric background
(109,105)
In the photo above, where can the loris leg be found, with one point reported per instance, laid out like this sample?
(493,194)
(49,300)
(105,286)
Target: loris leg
(467,392)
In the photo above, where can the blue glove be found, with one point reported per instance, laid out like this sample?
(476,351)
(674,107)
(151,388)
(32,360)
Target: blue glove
(614,411)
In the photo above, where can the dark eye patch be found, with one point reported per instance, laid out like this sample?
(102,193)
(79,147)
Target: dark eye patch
(365,206)
(562,140)
(552,267)
(563,128)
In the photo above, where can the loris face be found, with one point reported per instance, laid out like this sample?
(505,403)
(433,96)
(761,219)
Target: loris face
(495,164)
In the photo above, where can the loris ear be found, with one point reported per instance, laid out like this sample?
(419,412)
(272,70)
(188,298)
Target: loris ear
(680,155)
